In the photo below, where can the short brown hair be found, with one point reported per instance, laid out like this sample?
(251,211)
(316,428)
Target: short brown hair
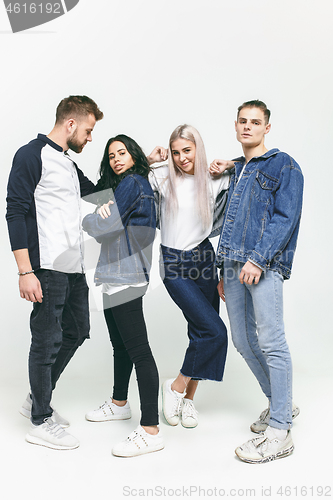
(256,104)
(77,106)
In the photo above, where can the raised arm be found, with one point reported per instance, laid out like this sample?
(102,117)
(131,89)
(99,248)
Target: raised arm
(217,167)
(157,155)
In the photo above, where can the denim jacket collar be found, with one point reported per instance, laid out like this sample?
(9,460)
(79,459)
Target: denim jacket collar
(268,154)
(240,161)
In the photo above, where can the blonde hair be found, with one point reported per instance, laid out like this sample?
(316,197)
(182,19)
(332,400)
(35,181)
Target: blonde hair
(189,133)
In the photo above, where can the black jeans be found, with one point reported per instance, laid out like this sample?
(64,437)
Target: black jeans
(128,335)
(59,325)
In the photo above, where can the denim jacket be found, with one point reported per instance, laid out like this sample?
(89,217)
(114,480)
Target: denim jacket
(127,235)
(263,213)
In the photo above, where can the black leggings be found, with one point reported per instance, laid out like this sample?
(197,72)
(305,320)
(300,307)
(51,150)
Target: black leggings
(128,335)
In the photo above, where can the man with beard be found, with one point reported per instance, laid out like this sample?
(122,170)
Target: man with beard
(44,224)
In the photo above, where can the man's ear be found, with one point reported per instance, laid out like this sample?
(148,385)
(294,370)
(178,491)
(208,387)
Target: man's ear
(71,125)
(268,128)
(236,125)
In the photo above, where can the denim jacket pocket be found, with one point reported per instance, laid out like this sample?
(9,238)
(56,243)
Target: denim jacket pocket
(264,187)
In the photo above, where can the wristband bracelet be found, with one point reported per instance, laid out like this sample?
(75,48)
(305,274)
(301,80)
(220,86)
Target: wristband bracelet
(27,272)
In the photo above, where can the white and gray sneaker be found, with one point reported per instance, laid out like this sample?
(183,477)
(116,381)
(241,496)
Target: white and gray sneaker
(265,448)
(171,403)
(189,415)
(262,423)
(51,435)
(109,411)
(25,410)
(139,442)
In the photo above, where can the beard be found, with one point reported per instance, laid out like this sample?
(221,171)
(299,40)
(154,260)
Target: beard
(74,144)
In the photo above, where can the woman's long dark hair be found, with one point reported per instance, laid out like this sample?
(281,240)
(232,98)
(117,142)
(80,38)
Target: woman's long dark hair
(108,179)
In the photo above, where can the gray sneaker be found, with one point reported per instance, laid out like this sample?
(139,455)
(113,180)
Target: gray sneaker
(51,435)
(262,449)
(262,423)
(25,410)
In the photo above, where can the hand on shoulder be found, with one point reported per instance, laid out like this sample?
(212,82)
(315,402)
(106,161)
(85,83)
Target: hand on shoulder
(157,155)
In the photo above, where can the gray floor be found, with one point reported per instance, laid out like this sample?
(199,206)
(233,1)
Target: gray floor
(195,463)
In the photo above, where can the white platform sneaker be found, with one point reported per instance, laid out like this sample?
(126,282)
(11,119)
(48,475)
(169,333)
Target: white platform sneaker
(109,411)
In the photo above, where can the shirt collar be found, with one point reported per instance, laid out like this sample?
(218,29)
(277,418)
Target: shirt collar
(268,154)
(44,138)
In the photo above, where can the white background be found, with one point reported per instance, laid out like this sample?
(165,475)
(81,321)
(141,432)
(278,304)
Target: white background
(151,65)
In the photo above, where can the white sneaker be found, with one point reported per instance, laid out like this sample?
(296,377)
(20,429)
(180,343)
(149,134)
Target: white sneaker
(26,412)
(262,423)
(262,449)
(51,435)
(139,442)
(109,411)
(171,403)
(189,414)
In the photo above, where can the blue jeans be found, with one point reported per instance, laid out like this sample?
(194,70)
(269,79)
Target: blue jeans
(191,280)
(257,329)
(59,325)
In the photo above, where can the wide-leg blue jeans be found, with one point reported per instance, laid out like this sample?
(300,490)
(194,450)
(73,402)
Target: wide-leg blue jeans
(190,278)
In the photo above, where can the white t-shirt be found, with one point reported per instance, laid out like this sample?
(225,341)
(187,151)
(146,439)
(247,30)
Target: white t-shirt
(111,289)
(184,231)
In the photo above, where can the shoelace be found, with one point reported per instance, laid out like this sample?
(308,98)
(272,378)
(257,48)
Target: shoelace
(261,439)
(189,410)
(53,428)
(177,404)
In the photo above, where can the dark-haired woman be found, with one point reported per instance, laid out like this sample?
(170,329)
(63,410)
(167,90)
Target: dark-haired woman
(126,231)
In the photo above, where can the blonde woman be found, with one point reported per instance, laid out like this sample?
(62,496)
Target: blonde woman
(187,196)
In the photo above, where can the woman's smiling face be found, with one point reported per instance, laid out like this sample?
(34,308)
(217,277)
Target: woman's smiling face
(183,153)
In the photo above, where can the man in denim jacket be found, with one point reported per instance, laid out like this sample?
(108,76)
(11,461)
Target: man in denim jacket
(255,252)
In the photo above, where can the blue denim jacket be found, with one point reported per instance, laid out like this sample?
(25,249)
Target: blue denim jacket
(263,213)
(127,235)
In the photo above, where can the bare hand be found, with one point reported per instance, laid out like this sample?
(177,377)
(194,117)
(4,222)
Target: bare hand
(220,289)
(217,167)
(30,288)
(250,274)
(157,155)
(104,211)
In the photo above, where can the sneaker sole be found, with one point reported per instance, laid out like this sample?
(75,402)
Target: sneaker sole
(138,453)
(170,423)
(25,413)
(41,442)
(108,419)
(281,454)
(189,426)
